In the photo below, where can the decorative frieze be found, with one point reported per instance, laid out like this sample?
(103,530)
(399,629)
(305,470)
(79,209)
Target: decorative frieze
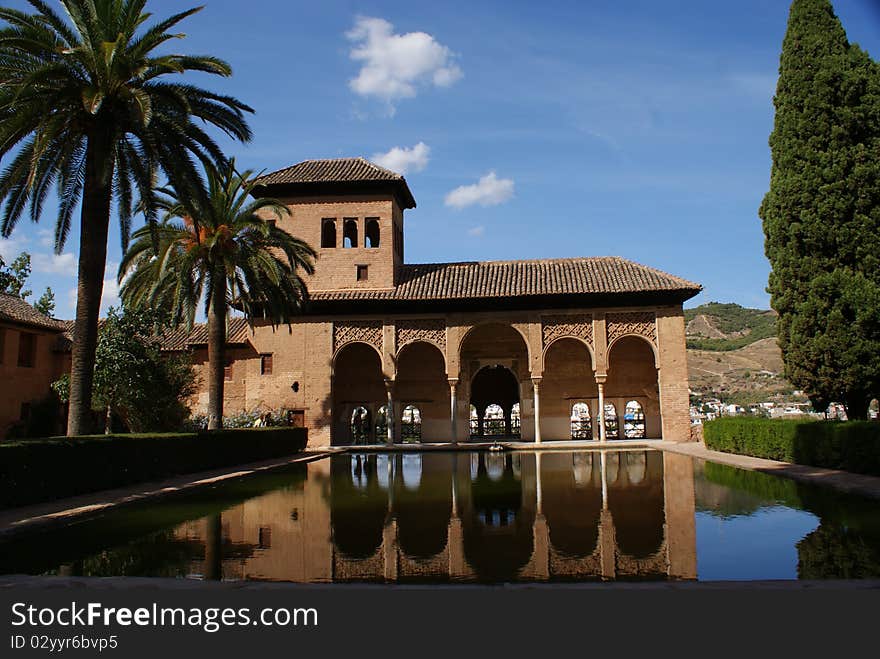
(578,326)
(639,323)
(360,331)
(430,330)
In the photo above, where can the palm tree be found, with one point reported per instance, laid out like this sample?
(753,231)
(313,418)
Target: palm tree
(217,248)
(86,106)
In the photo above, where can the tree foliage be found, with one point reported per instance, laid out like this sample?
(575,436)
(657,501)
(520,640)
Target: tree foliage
(13,277)
(133,379)
(822,213)
(219,251)
(92,105)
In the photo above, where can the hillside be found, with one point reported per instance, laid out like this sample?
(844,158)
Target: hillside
(732,352)
(719,326)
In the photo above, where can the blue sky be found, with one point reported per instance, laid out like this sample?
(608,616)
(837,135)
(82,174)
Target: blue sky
(528,130)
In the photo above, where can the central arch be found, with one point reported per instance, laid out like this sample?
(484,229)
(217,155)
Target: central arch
(494,361)
(358,386)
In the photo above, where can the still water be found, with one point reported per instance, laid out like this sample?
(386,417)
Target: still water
(477,517)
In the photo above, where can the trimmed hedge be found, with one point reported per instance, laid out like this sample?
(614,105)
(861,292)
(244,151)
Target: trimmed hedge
(852,446)
(38,470)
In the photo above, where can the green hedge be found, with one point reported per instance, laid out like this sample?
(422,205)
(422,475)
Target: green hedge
(852,446)
(45,469)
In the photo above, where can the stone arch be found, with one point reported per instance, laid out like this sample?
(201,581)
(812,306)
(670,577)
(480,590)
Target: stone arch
(568,378)
(371,233)
(421,382)
(633,375)
(639,337)
(357,381)
(482,326)
(494,386)
(566,337)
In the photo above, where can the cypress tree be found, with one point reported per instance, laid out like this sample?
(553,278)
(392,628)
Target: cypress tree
(820,215)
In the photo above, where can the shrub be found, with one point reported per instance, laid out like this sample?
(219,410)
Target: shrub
(46,469)
(852,446)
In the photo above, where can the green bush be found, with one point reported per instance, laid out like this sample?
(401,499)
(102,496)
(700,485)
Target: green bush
(852,446)
(42,470)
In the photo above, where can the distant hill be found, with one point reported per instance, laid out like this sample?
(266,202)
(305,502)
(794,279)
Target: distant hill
(733,349)
(720,326)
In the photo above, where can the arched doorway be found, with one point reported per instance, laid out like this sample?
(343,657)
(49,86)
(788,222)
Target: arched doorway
(422,390)
(358,385)
(632,377)
(634,420)
(494,363)
(568,378)
(581,422)
(494,392)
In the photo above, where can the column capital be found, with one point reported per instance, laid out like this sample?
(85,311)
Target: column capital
(601,378)
(453,382)
(536,380)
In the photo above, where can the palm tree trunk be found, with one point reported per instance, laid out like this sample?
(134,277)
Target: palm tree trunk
(94,225)
(216,353)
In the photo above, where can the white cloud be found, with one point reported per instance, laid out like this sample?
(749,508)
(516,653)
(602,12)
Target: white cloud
(395,65)
(403,160)
(12,247)
(110,294)
(55,264)
(476,232)
(488,191)
(46,237)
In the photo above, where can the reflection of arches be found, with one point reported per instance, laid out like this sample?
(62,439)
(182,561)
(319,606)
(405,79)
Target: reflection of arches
(637,508)
(634,420)
(423,512)
(358,505)
(497,530)
(572,502)
(411,470)
(411,424)
(612,423)
(357,382)
(581,423)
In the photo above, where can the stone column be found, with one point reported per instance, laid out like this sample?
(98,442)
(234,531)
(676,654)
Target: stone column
(536,384)
(607,536)
(453,409)
(603,437)
(390,416)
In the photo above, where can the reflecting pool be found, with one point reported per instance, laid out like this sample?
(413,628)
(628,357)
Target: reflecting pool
(481,517)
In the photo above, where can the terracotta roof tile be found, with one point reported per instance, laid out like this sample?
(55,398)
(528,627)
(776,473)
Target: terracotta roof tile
(334,170)
(15,310)
(489,279)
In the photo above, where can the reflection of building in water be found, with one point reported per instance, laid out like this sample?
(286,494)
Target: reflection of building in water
(483,517)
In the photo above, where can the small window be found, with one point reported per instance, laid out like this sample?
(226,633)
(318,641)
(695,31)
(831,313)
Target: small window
(328,233)
(295,387)
(27,349)
(265,364)
(350,233)
(227,370)
(371,233)
(264,537)
(362,273)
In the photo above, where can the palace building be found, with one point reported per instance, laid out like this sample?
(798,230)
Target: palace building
(388,351)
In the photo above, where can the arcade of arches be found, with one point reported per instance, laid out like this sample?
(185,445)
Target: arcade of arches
(535,378)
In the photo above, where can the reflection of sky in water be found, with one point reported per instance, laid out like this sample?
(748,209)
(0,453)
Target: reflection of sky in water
(412,470)
(757,546)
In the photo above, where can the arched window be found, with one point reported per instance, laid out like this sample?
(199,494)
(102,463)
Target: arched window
(634,421)
(350,233)
(371,232)
(328,233)
(493,421)
(612,425)
(475,422)
(360,426)
(411,424)
(515,420)
(581,423)
(382,424)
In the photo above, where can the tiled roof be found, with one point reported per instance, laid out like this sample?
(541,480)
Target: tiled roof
(173,340)
(335,171)
(14,309)
(490,279)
